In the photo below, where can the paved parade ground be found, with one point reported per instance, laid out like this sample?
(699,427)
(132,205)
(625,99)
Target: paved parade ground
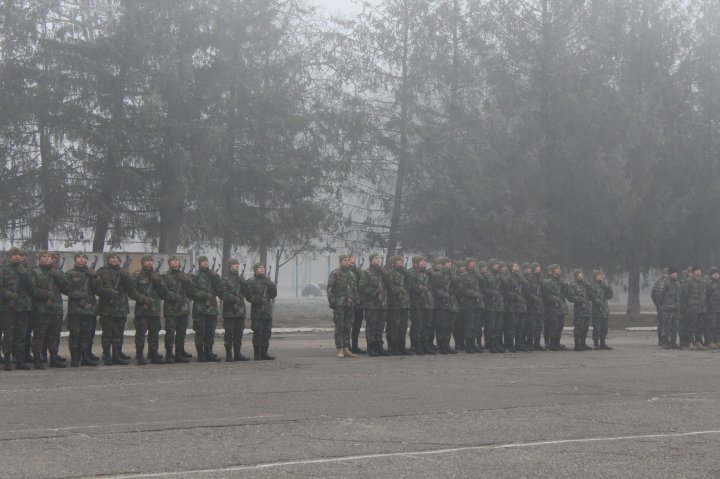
(636,411)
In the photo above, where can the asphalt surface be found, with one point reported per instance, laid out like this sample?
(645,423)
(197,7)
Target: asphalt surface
(636,411)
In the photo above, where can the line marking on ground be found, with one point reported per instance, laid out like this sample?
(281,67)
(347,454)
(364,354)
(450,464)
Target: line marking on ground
(362,457)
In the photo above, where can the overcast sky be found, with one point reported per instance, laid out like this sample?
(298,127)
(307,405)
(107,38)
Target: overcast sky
(339,6)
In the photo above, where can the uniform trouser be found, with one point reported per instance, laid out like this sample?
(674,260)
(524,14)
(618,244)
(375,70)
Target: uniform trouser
(375,325)
(581,326)
(204,327)
(45,333)
(112,333)
(445,320)
(421,326)
(600,326)
(481,325)
(56,346)
(513,323)
(150,326)
(493,325)
(533,325)
(262,330)
(175,330)
(554,324)
(80,327)
(470,319)
(234,328)
(343,318)
(14,327)
(670,325)
(458,329)
(683,328)
(397,325)
(694,325)
(358,315)
(660,332)
(712,322)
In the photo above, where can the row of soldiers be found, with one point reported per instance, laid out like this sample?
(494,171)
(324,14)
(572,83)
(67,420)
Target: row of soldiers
(688,309)
(510,305)
(31,310)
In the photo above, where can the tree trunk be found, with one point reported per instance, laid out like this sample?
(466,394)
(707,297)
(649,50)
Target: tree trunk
(633,304)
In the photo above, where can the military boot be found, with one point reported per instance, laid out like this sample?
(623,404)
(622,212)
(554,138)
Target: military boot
(155,358)
(372,350)
(584,344)
(201,358)
(403,350)
(91,355)
(55,361)
(340,353)
(264,353)
(37,362)
(74,359)
(419,347)
(169,356)
(603,345)
(180,351)
(20,364)
(8,363)
(394,347)
(381,350)
(449,349)
(229,355)
(578,346)
(180,358)
(122,355)
(210,356)
(140,356)
(520,344)
(427,347)
(86,360)
(552,346)
(536,344)
(699,345)
(117,359)
(107,358)
(596,344)
(256,352)
(479,345)
(348,354)
(355,349)
(561,347)
(239,356)
(469,346)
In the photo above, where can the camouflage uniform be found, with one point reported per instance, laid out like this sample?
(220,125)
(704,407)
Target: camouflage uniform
(176,311)
(712,321)
(16,292)
(471,304)
(494,309)
(554,293)
(342,297)
(358,315)
(579,294)
(49,284)
(670,307)
(512,287)
(398,308)
(114,285)
(234,313)
(535,308)
(655,295)
(696,298)
(81,313)
(373,296)
(207,289)
(421,307)
(261,292)
(446,306)
(601,293)
(147,313)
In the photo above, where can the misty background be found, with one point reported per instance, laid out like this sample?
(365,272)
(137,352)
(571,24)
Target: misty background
(570,131)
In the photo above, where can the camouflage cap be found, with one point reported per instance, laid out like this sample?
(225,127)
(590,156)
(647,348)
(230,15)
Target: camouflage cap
(202,258)
(577,271)
(417,259)
(526,265)
(552,267)
(258,265)
(460,263)
(394,259)
(437,260)
(597,272)
(714,270)
(173,258)
(55,254)
(470,259)
(17,251)
(672,270)
(534,265)
(482,264)
(373,256)
(44,253)
(111,254)
(233,261)
(79,254)
(343,257)
(146,257)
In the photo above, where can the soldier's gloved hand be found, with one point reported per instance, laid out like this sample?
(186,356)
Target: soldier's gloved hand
(55,273)
(92,273)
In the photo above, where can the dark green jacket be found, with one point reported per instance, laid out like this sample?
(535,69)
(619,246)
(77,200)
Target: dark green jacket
(16,288)
(491,290)
(512,286)
(670,296)
(373,292)
(696,293)
(260,293)
(81,295)
(533,294)
(234,298)
(398,295)
(468,291)
(342,290)
(554,293)
(208,287)
(444,284)
(114,286)
(601,293)
(149,284)
(49,284)
(420,287)
(580,295)
(180,291)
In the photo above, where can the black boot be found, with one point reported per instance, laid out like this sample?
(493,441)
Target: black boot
(510,343)
(560,347)
(37,362)
(86,360)
(256,352)
(169,356)
(122,355)
(229,355)
(116,358)
(264,353)
(239,356)
(55,361)
(536,344)
(469,346)
(74,359)
(20,364)
(107,357)
(551,345)
(394,347)
(449,349)
(210,356)
(155,358)
(91,356)
(428,348)
(201,357)
(355,349)
(479,345)
(604,346)
(405,351)
(596,344)
(140,356)
(578,347)
(372,350)
(584,344)
(382,351)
